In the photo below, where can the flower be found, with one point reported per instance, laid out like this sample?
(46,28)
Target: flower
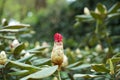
(3,58)
(57,54)
(65,61)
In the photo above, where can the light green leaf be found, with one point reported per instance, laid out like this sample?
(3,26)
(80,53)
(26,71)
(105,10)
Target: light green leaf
(9,31)
(85,76)
(111,67)
(19,26)
(23,65)
(84,18)
(99,68)
(25,58)
(74,64)
(41,74)
(95,15)
(83,66)
(19,73)
(38,62)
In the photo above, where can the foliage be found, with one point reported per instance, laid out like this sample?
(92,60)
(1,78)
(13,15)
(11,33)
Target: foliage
(98,58)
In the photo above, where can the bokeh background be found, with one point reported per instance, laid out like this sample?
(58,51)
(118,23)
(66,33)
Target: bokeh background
(50,16)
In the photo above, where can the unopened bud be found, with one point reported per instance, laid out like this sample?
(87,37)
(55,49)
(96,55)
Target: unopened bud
(27,54)
(3,58)
(98,48)
(86,11)
(65,61)
(15,43)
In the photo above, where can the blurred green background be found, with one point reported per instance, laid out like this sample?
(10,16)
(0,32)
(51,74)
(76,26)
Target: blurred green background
(50,16)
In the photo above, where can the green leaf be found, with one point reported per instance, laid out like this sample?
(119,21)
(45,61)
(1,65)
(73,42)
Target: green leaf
(101,8)
(23,65)
(38,49)
(95,15)
(74,64)
(114,15)
(19,73)
(84,18)
(111,66)
(86,76)
(25,58)
(83,66)
(42,73)
(19,26)
(116,59)
(40,61)
(99,68)
(9,31)
(18,49)
(114,8)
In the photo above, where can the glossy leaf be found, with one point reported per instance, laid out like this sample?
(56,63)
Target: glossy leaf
(18,49)
(40,61)
(85,76)
(23,65)
(100,68)
(42,73)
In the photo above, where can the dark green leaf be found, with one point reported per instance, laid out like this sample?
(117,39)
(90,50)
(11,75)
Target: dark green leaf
(74,64)
(95,15)
(42,73)
(114,8)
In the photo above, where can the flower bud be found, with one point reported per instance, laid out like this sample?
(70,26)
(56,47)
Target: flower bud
(57,54)
(15,43)
(65,61)
(86,11)
(98,48)
(3,58)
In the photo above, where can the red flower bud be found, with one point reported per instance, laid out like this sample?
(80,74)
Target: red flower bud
(58,37)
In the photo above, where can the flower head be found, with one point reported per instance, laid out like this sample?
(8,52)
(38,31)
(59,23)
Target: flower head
(58,37)
(3,58)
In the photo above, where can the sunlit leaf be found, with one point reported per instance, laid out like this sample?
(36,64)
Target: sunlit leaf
(85,76)
(20,73)
(42,73)
(100,68)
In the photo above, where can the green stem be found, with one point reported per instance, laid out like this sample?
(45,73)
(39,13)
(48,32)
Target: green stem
(59,75)
(97,27)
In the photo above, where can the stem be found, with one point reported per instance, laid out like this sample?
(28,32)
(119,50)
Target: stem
(97,27)
(59,75)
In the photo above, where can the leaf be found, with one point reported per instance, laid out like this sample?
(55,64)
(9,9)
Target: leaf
(25,58)
(9,31)
(38,49)
(19,26)
(40,61)
(114,15)
(23,65)
(101,8)
(84,18)
(42,73)
(83,66)
(18,49)
(74,64)
(23,72)
(114,8)
(99,68)
(116,59)
(111,67)
(95,15)
(85,76)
